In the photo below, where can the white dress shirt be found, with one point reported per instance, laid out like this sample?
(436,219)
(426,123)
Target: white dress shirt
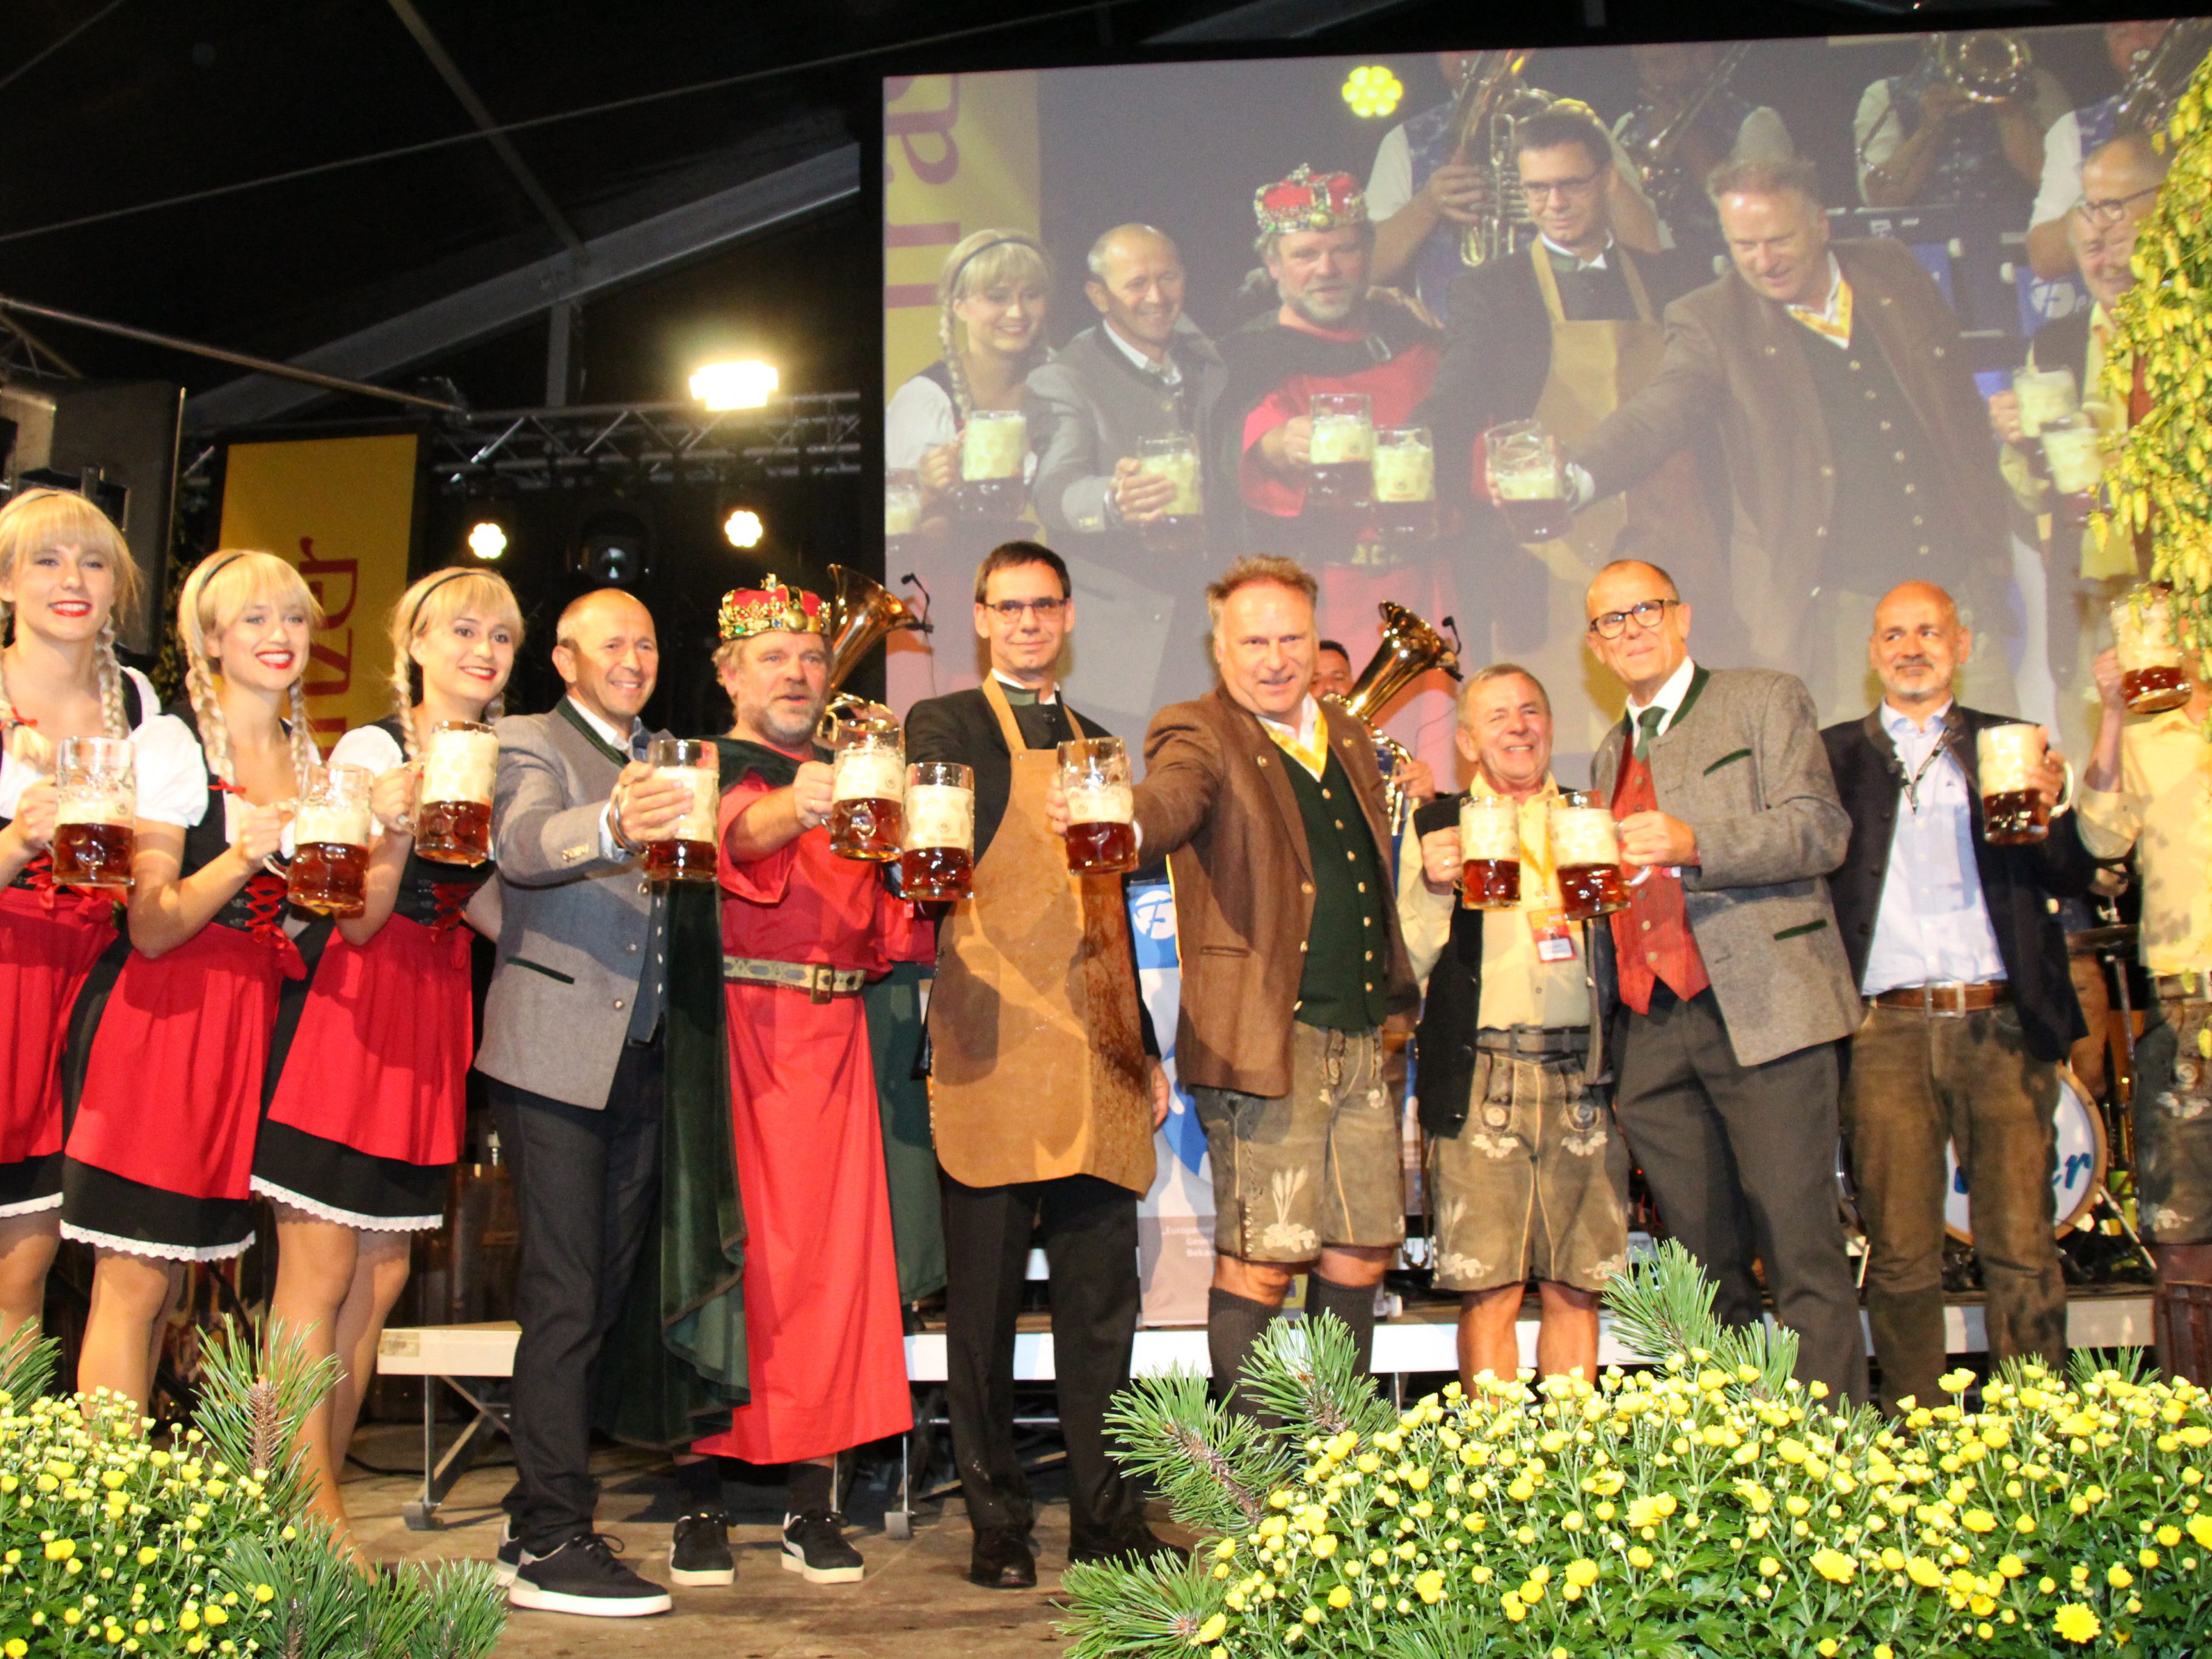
(1933,925)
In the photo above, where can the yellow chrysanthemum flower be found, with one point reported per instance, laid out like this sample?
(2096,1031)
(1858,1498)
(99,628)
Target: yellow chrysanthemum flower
(2077,1623)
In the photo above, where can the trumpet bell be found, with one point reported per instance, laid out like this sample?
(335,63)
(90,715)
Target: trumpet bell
(1410,648)
(1988,65)
(863,613)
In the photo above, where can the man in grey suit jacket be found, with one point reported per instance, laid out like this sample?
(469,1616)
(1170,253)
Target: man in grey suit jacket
(1143,371)
(572,1048)
(1734,987)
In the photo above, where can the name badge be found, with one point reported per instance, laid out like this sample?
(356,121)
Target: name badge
(1555,938)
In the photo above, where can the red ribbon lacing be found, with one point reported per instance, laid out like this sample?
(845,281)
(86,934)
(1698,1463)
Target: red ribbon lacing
(452,898)
(38,878)
(265,908)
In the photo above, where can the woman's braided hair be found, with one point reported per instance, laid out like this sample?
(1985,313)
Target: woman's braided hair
(34,520)
(219,588)
(431,603)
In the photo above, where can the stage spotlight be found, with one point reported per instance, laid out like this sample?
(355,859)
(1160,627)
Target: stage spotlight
(614,548)
(744,528)
(745,385)
(487,541)
(1372,91)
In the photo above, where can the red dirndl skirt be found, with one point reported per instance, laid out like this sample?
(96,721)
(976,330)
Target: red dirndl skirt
(160,1156)
(366,1119)
(49,941)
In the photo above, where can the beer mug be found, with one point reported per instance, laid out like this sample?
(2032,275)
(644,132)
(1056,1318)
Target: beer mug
(1405,482)
(1101,807)
(1586,851)
(1490,853)
(1173,456)
(1529,472)
(901,503)
(2073,455)
(995,446)
(685,850)
(1340,457)
(2045,395)
(331,829)
(867,789)
(2152,678)
(453,804)
(937,859)
(95,814)
(2007,757)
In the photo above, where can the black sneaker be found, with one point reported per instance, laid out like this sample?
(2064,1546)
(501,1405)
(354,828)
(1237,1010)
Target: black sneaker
(582,1577)
(814,1544)
(699,1552)
(509,1559)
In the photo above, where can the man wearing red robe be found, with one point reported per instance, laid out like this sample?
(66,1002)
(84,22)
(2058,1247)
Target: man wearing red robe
(803,930)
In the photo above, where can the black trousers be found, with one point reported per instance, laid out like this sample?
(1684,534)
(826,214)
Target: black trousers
(584,1183)
(1090,1235)
(1742,1162)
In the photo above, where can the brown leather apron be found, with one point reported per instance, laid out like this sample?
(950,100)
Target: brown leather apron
(1038,1068)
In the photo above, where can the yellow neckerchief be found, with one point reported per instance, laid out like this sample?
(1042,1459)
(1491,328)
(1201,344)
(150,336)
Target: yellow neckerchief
(1312,755)
(1536,844)
(1838,327)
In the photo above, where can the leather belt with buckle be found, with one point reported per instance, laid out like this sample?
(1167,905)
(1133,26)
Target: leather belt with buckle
(818,979)
(1948,998)
(1535,1042)
(2192,988)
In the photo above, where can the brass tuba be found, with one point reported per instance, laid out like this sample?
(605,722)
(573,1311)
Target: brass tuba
(1410,648)
(1492,98)
(2158,77)
(1988,65)
(862,614)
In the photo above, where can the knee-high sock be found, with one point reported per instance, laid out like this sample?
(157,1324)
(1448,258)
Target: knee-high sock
(810,1485)
(1233,1324)
(700,1481)
(1353,1304)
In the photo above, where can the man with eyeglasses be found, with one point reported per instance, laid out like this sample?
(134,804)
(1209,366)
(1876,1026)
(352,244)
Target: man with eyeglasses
(2074,136)
(1733,981)
(1045,1089)
(1564,332)
(1856,445)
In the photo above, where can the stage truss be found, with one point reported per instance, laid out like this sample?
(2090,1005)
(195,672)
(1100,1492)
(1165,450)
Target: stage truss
(812,436)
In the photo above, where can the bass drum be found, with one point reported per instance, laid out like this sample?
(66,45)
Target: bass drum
(2077,1173)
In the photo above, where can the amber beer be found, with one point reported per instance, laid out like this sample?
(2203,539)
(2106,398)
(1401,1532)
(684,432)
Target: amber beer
(1490,848)
(330,841)
(1529,476)
(867,770)
(1101,807)
(937,859)
(1586,851)
(2013,812)
(2152,678)
(95,814)
(452,810)
(684,851)
(1340,455)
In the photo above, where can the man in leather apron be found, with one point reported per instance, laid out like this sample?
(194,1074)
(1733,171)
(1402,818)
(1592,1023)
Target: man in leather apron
(1045,1089)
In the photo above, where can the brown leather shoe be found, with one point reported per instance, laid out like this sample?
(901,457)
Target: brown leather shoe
(1002,1560)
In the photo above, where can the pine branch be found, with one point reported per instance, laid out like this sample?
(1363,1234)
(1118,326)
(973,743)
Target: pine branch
(303,1598)
(1664,1307)
(253,1400)
(29,1360)
(1307,1375)
(1215,1468)
(465,1611)
(1124,1612)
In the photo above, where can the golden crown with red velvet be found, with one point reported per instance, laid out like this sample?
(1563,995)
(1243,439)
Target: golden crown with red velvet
(771,608)
(1309,201)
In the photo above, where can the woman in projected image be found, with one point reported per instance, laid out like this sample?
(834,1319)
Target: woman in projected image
(992,295)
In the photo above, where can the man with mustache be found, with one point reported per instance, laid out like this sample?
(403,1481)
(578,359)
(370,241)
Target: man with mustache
(1324,334)
(1142,371)
(1969,1005)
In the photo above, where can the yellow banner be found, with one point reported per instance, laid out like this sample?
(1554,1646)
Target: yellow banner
(343,511)
(960,152)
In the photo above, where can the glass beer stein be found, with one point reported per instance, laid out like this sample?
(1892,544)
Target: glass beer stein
(1586,851)
(2007,757)
(95,814)
(1173,456)
(2152,678)
(994,445)
(937,859)
(1340,457)
(901,503)
(2073,455)
(1490,853)
(1405,482)
(867,789)
(1529,473)
(331,829)
(2046,396)
(453,804)
(685,850)
(1101,807)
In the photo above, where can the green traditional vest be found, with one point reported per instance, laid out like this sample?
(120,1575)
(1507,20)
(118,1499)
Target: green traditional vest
(1346,983)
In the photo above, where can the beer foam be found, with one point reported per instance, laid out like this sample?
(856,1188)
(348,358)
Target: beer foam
(2046,396)
(2008,756)
(940,815)
(1189,499)
(1338,439)
(113,802)
(1405,472)
(2076,457)
(1529,484)
(993,447)
(1489,829)
(1583,834)
(1102,803)
(697,823)
(868,774)
(901,511)
(317,822)
(459,765)
(2142,635)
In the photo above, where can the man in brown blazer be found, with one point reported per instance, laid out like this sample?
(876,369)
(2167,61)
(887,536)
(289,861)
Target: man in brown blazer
(1857,448)
(1269,806)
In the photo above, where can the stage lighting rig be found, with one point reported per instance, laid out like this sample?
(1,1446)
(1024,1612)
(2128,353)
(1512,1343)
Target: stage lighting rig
(745,385)
(744,529)
(487,541)
(1372,91)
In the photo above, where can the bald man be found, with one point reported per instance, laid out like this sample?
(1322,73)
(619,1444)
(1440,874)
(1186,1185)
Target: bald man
(572,1050)
(1142,371)
(1969,1005)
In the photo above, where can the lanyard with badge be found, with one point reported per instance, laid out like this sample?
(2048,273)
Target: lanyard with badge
(1548,920)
